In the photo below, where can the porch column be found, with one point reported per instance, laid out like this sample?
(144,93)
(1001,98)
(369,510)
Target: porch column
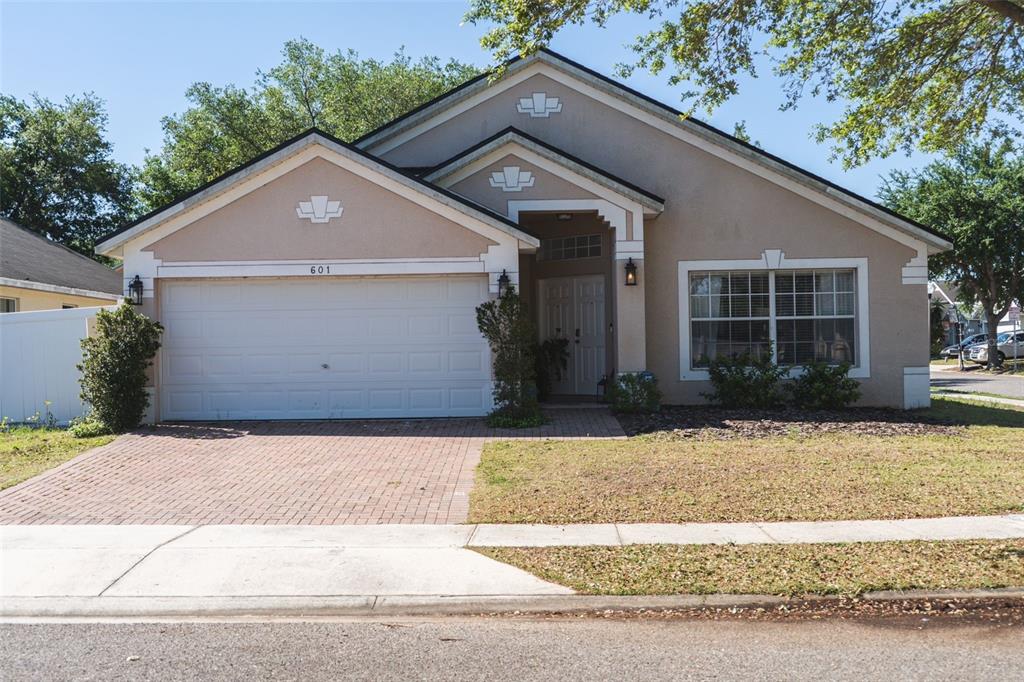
(630,301)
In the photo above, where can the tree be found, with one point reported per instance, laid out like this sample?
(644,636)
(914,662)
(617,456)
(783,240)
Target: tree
(977,198)
(339,93)
(930,73)
(57,172)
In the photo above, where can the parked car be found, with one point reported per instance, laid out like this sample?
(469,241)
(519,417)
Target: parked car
(1005,343)
(954,350)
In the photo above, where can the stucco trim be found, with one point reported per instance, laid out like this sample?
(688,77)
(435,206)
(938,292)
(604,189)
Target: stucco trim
(916,387)
(258,173)
(320,268)
(774,259)
(663,118)
(57,289)
(609,211)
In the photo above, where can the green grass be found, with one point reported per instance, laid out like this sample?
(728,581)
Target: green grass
(828,569)
(978,470)
(26,452)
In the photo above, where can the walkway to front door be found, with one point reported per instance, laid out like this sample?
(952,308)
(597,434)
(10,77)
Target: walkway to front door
(341,472)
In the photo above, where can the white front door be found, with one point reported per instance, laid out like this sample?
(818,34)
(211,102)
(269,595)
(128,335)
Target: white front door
(573,308)
(323,348)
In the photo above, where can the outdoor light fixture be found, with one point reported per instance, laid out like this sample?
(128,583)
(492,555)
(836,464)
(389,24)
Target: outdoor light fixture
(503,283)
(135,291)
(630,273)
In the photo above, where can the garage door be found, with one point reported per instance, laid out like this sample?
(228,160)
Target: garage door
(323,348)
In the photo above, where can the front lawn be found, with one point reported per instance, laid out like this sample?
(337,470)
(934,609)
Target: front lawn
(25,452)
(844,569)
(954,459)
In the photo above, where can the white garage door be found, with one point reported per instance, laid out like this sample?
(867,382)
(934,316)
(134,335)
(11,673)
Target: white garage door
(323,348)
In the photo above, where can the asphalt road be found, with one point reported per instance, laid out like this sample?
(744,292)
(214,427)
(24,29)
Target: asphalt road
(1009,385)
(502,649)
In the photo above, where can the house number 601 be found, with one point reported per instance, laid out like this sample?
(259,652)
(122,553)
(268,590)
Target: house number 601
(319,269)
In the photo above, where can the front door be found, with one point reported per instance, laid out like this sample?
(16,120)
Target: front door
(573,308)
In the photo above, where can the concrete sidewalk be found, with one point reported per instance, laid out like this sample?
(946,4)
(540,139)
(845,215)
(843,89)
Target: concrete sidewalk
(1014,402)
(118,569)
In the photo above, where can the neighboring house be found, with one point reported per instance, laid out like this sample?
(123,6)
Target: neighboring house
(943,293)
(326,280)
(38,274)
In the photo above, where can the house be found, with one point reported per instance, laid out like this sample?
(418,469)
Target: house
(325,279)
(38,274)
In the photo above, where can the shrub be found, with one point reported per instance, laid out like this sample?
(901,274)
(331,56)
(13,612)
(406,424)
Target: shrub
(87,427)
(552,361)
(509,420)
(745,381)
(634,392)
(114,366)
(824,387)
(505,324)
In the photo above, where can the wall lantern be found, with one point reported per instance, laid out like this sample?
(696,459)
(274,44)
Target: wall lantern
(503,284)
(630,273)
(135,291)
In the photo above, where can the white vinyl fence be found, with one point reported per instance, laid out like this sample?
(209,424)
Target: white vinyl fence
(38,354)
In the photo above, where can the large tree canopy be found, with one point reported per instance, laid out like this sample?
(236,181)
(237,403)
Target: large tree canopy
(339,93)
(977,198)
(927,73)
(57,174)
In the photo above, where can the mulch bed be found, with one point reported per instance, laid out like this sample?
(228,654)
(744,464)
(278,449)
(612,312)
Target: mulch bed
(682,422)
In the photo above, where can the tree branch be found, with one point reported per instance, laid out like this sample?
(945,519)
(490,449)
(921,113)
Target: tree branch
(1010,9)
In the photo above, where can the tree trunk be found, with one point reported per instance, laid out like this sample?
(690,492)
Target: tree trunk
(993,331)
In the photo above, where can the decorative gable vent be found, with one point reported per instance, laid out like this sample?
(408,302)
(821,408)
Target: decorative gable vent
(319,209)
(539,105)
(512,179)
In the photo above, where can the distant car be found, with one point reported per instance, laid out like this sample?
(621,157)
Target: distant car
(1005,344)
(954,350)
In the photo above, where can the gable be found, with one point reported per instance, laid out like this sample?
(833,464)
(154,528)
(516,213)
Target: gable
(586,126)
(374,223)
(288,156)
(494,186)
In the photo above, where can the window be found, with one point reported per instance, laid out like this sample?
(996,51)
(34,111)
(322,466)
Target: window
(815,316)
(67,306)
(8,305)
(730,315)
(809,314)
(569,248)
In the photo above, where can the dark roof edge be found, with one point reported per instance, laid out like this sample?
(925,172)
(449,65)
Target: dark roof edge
(512,130)
(679,115)
(298,138)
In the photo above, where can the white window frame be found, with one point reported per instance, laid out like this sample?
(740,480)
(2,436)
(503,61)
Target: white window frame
(547,244)
(15,301)
(772,261)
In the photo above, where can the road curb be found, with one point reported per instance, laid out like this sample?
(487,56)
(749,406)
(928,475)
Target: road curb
(142,608)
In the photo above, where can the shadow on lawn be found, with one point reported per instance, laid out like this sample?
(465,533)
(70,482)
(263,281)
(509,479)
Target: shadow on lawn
(945,417)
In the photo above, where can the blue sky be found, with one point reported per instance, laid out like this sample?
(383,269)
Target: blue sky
(141,56)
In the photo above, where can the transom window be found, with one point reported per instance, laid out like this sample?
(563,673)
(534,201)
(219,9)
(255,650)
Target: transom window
(572,247)
(810,315)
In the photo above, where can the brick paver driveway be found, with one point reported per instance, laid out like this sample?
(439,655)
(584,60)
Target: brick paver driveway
(350,472)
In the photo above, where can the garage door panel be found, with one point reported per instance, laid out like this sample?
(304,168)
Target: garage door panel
(323,348)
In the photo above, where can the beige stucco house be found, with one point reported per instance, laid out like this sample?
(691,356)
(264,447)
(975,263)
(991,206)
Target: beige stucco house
(327,280)
(38,274)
